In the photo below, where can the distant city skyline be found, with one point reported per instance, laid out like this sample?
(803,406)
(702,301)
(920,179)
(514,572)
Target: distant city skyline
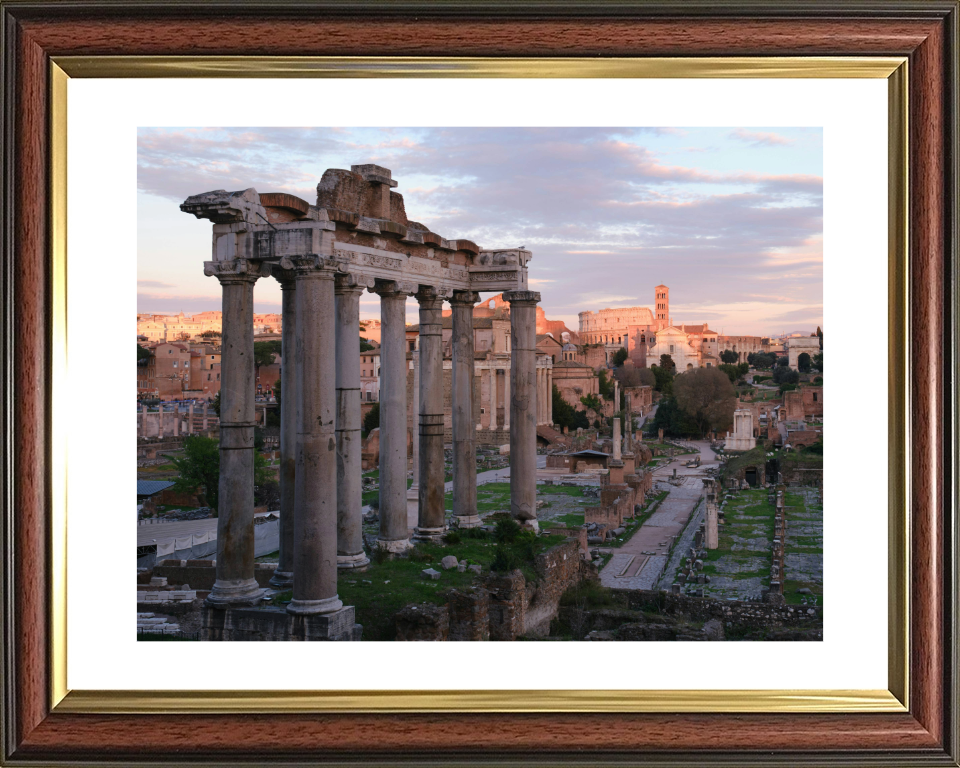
(730,218)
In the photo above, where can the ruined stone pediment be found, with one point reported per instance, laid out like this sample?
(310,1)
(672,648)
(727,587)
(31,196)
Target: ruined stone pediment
(223,207)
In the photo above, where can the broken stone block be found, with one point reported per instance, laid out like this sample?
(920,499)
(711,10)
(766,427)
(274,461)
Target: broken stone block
(474,568)
(449,562)
(429,573)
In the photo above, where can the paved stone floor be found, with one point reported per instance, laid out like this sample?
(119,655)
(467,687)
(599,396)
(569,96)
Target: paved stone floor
(650,545)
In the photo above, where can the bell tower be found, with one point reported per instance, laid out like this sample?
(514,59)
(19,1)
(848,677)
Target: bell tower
(661,307)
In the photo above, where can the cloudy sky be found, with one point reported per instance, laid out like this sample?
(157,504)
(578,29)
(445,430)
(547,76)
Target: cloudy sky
(731,219)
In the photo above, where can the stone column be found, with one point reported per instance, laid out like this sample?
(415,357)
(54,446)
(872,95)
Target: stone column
(498,416)
(143,419)
(464,433)
(523,405)
(617,455)
(413,492)
(315,519)
(506,400)
(616,395)
(393,536)
(550,396)
(206,407)
(431,518)
(712,517)
(628,427)
(190,419)
(350,553)
(485,375)
(160,419)
(479,415)
(283,576)
(176,419)
(235,584)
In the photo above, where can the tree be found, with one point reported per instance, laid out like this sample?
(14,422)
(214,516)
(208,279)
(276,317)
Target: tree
(264,353)
(365,346)
(619,357)
(646,376)
(183,336)
(744,369)
(732,371)
(762,360)
(729,357)
(784,375)
(142,353)
(803,362)
(818,362)
(216,404)
(605,385)
(672,420)
(199,467)
(707,397)
(372,419)
(782,362)
(666,362)
(592,401)
(210,335)
(565,415)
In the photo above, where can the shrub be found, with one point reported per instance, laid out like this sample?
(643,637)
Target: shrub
(504,559)
(372,420)
(452,537)
(473,533)
(526,545)
(380,555)
(506,531)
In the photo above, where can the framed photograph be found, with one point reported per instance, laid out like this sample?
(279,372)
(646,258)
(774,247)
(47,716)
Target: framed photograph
(500,202)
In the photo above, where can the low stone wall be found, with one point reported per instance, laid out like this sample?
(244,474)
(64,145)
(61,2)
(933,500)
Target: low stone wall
(745,615)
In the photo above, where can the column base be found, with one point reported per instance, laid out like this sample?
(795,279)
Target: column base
(234,593)
(275,624)
(428,534)
(310,607)
(358,562)
(530,525)
(394,546)
(282,580)
(468,521)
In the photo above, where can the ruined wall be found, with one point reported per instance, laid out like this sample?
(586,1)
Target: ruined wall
(744,615)
(505,607)
(812,401)
(200,574)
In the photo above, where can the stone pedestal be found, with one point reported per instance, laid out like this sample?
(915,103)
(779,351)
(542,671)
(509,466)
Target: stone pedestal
(235,584)
(629,464)
(523,405)
(464,433)
(616,472)
(283,576)
(430,523)
(275,624)
(315,522)
(394,535)
(350,554)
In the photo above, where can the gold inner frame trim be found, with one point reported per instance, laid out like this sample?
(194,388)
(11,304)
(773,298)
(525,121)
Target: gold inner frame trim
(893,69)
(421,66)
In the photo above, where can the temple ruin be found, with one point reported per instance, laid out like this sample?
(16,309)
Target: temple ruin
(356,238)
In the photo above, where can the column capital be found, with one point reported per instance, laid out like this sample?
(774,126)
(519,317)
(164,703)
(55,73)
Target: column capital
(310,265)
(430,294)
(352,282)
(286,277)
(464,299)
(236,271)
(522,297)
(394,288)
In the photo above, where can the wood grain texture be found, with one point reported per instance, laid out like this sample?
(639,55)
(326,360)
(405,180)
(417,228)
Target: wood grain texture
(880,738)
(31,488)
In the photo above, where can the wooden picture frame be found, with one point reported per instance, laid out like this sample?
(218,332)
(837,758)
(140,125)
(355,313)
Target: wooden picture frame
(44,40)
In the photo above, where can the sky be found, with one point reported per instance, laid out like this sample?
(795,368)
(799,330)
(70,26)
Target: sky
(731,219)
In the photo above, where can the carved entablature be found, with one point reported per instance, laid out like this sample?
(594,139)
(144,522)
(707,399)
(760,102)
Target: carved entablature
(359,224)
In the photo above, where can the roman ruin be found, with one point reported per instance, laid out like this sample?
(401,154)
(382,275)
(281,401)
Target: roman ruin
(356,238)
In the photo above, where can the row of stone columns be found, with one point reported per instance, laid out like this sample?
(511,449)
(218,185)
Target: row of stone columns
(496,415)
(176,420)
(320,515)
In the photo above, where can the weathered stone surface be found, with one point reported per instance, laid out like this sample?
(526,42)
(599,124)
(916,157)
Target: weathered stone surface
(275,624)
(423,622)
(430,573)
(449,562)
